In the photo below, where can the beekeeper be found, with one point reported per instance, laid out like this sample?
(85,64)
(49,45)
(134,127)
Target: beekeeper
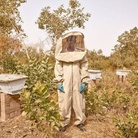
(71,75)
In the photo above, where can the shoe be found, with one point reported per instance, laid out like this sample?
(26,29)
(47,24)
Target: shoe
(81,127)
(62,129)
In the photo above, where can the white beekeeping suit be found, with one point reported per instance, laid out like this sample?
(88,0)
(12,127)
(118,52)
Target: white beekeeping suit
(71,69)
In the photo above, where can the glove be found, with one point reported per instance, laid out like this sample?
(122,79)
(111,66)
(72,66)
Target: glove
(60,87)
(82,88)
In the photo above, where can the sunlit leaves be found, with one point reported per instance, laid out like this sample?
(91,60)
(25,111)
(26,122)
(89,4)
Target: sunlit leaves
(39,100)
(96,60)
(10,17)
(61,19)
(126,51)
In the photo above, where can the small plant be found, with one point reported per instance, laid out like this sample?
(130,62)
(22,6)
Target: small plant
(128,126)
(41,107)
(133,79)
(92,102)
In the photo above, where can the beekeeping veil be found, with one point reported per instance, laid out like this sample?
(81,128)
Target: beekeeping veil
(70,47)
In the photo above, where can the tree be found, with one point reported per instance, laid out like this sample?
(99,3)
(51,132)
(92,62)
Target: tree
(10,17)
(126,52)
(60,20)
(10,29)
(96,60)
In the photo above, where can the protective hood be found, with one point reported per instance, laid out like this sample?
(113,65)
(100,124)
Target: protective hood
(70,47)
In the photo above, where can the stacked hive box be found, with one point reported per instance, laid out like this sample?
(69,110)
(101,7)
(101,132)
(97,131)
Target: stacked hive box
(10,106)
(95,76)
(122,74)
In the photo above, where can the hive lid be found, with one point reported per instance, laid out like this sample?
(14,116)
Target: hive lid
(123,70)
(11,77)
(96,71)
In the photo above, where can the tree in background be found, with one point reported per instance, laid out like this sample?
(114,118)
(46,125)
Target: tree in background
(9,46)
(97,61)
(60,20)
(126,52)
(10,17)
(10,31)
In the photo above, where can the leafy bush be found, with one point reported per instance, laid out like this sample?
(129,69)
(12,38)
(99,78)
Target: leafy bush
(103,95)
(41,106)
(133,79)
(37,70)
(39,100)
(128,124)
(92,102)
(9,65)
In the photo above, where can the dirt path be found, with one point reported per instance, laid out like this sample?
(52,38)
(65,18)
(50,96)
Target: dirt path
(96,127)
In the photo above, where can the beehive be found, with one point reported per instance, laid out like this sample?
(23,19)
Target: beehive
(10,89)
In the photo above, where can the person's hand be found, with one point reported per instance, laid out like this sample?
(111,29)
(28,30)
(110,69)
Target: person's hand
(60,87)
(82,87)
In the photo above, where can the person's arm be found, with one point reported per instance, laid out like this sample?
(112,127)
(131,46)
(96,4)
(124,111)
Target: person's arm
(84,71)
(58,70)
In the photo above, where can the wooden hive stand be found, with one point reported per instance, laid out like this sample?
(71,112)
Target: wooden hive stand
(10,106)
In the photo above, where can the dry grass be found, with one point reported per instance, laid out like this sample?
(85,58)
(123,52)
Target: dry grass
(97,126)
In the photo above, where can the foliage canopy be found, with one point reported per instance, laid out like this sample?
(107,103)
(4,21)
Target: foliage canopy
(60,20)
(10,16)
(126,51)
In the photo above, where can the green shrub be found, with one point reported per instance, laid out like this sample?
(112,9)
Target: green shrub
(39,100)
(128,124)
(92,102)
(9,64)
(42,107)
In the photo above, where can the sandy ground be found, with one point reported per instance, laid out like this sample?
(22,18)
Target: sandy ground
(97,126)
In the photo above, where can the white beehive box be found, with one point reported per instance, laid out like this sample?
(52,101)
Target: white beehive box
(12,83)
(123,72)
(95,74)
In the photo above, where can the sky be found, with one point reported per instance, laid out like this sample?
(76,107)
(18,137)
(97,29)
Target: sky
(109,19)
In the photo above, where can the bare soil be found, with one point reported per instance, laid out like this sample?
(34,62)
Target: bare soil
(97,126)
